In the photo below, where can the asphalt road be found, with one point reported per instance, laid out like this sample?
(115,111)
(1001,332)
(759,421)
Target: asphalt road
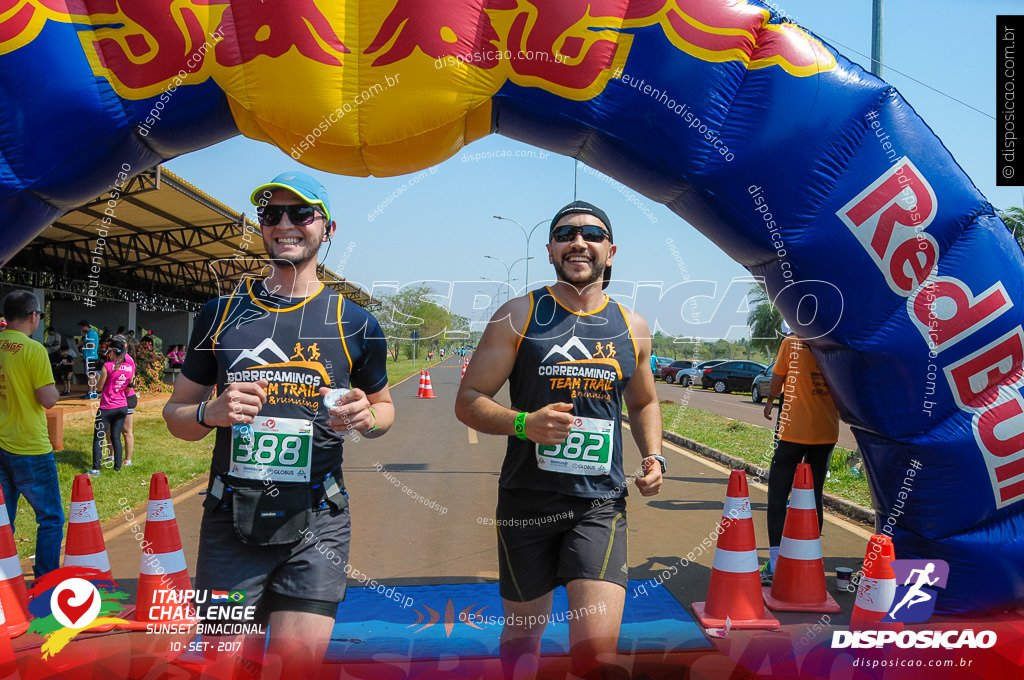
(735,406)
(447,538)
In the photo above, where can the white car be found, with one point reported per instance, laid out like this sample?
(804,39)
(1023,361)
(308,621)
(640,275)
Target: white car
(692,376)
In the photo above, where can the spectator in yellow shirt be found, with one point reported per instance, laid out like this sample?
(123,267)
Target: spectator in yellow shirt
(27,466)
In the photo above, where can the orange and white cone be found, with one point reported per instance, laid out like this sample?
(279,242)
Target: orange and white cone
(877,587)
(428,390)
(423,384)
(163,566)
(799,582)
(463,373)
(13,592)
(85,546)
(8,669)
(735,588)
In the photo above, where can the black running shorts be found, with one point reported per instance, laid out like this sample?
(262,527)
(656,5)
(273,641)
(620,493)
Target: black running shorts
(546,539)
(306,576)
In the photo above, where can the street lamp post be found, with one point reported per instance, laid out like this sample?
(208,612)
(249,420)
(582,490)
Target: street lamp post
(508,270)
(528,237)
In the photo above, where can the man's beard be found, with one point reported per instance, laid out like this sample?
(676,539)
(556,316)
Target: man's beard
(581,281)
(309,252)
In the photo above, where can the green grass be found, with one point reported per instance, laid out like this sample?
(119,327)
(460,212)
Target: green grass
(754,444)
(403,368)
(155,451)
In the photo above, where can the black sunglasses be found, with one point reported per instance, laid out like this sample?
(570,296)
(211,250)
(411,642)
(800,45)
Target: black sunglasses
(591,233)
(300,214)
(36,311)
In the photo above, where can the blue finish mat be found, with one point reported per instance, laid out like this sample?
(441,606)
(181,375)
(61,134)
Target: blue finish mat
(424,622)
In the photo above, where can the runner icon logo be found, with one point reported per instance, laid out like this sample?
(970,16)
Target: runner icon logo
(917,584)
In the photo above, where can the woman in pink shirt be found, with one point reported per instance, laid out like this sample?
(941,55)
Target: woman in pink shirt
(117,374)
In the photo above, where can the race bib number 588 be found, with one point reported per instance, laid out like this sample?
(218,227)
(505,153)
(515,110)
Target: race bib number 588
(586,451)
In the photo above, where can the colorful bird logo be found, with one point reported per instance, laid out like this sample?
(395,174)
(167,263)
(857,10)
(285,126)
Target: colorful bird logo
(70,600)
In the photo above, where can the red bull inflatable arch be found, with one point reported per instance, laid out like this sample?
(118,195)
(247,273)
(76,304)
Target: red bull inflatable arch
(801,166)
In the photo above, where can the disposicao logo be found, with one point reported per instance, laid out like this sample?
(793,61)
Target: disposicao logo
(917,584)
(70,600)
(914,600)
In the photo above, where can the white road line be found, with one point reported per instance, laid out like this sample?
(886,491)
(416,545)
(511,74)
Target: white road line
(838,520)
(472,436)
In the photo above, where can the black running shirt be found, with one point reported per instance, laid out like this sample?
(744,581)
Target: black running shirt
(578,358)
(298,345)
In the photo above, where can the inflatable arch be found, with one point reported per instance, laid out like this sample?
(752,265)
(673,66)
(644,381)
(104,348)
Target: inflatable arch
(801,166)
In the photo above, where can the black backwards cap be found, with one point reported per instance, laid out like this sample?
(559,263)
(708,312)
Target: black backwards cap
(586,209)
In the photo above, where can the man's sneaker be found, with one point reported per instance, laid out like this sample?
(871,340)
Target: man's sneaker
(128,463)
(92,395)
(766,574)
(94,473)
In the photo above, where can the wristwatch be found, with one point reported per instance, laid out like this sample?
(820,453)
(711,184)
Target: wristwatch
(199,415)
(661,459)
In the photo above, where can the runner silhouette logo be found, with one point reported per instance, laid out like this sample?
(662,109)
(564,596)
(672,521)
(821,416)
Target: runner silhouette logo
(917,584)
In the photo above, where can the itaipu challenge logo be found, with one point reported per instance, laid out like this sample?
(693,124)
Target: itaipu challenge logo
(71,600)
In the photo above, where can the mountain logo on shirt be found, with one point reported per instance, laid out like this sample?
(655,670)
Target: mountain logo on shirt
(256,355)
(604,353)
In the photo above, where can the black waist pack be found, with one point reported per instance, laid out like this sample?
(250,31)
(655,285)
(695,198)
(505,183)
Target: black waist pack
(263,520)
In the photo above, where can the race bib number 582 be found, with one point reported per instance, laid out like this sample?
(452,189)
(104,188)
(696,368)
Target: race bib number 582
(586,451)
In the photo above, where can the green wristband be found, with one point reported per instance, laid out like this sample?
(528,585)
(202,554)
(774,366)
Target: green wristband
(521,425)
(374,428)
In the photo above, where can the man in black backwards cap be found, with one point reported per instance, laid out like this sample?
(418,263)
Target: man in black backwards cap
(571,356)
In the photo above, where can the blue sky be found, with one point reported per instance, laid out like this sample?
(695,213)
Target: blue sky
(441,225)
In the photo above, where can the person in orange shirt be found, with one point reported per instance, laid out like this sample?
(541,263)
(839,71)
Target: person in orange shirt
(807,431)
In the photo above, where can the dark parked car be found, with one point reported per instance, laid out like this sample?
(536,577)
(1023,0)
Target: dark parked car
(731,376)
(759,388)
(661,363)
(671,373)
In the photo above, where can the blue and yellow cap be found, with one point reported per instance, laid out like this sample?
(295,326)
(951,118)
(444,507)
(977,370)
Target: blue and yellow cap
(310,190)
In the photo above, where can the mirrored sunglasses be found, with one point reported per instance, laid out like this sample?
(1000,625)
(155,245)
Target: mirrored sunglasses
(591,233)
(299,214)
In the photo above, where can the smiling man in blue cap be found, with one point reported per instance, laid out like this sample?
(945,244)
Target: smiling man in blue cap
(276,521)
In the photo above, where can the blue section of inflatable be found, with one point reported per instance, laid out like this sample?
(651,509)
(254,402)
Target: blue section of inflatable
(804,150)
(805,169)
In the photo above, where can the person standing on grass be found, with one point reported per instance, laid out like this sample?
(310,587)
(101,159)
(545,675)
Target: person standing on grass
(27,465)
(90,354)
(807,431)
(131,401)
(118,372)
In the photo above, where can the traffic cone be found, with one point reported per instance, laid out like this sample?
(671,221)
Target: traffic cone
(423,384)
(877,587)
(163,566)
(428,390)
(6,650)
(735,588)
(463,373)
(85,546)
(13,592)
(799,582)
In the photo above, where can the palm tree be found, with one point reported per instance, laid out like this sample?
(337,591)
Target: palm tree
(1014,220)
(765,322)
